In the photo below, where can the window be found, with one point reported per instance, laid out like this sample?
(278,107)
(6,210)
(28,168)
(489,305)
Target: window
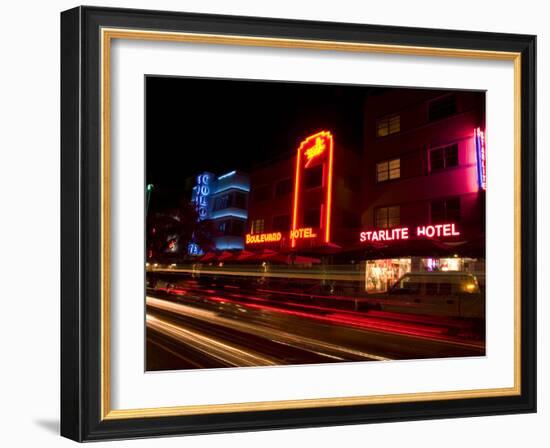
(312,217)
(257,226)
(239,200)
(235,199)
(445,157)
(441,108)
(388,125)
(388,170)
(221,202)
(223,226)
(281,222)
(283,187)
(232,227)
(262,193)
(446,210)
(314,177)
(386,217)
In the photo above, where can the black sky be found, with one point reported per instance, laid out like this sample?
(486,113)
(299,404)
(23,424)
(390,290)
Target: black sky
(195,125)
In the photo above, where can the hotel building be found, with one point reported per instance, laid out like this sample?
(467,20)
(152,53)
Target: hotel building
(422,166)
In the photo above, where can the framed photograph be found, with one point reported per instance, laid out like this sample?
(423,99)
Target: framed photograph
(277,224)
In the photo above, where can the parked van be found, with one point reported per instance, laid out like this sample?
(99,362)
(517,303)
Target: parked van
(451,294)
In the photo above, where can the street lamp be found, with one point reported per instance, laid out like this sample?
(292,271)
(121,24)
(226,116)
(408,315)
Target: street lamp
(149,191)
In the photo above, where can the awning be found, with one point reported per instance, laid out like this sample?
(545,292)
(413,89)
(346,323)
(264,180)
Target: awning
(226,255)
(419,248)
(208,256)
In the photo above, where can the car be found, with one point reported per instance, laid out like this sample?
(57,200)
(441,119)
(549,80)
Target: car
(450,294)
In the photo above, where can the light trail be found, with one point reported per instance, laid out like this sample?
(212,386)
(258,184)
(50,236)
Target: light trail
(425,329)
(328,275)
(297,341)
(174,353)
(228,353)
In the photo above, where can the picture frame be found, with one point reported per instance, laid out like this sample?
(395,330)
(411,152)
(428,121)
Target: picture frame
(86,37)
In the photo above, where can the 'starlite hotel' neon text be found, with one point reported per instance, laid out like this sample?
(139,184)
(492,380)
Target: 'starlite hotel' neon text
(403,233)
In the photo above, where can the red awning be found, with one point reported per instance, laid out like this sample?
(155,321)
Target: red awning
(266,254)
(244,255)
(208,256)
(225,255)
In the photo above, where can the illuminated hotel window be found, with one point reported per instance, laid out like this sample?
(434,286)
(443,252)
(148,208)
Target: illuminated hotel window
(386,217)
(314,177)
(446,210)
(261,193)
(388,125)
(445,157)
(283,187)
(388,170)
(281,222)
(441,108)
(312,217)
(257,226)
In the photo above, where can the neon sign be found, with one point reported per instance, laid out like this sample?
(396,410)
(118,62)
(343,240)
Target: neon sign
(305,233)
(437,230)
(317,149)
(312,149)
(479,137)
(263,238)
(202,195)
(194,249)
(403,233)
(274,237)
(201,199)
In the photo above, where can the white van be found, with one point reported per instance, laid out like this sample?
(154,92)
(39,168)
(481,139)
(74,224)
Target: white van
(451,294)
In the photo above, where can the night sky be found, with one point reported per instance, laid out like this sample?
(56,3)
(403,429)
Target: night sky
(217,125)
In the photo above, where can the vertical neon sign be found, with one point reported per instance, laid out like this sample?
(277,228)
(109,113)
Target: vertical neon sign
(317,147)
(479,138)
(201,199)
(202,195)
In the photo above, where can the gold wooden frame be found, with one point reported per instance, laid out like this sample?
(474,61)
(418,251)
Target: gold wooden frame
(107,35)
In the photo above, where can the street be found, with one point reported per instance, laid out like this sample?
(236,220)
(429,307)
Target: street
(214,325)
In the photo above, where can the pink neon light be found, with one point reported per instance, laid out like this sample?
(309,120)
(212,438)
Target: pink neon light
(403,233)
(479,138)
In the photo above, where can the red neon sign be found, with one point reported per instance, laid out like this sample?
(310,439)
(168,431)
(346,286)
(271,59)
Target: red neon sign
(312,149)
(275,237)
(260,238)
(403,233)
(304,233)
